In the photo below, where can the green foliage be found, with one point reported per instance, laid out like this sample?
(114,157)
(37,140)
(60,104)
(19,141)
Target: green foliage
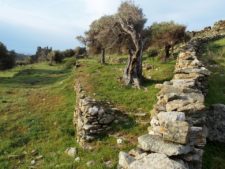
(166,35)
(55,57)
(7,58)
(152,52)
(80,52)
(70,63)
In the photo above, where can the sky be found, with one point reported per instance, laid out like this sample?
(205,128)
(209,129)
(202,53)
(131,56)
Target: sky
(26,24)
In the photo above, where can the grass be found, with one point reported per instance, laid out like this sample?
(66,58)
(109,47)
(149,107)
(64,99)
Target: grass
(36,112)
(37,105)
(214,58)
(104,81)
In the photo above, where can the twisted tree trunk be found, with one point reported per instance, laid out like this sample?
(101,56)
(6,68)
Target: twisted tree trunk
(102,59)
(133,70)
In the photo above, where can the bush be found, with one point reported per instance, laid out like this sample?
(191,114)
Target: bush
(7,58)
(80,52)
(152,52)
(70,63)
(55,56)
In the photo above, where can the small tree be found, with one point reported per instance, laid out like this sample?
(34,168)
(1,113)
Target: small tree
(99,37)
(167,35)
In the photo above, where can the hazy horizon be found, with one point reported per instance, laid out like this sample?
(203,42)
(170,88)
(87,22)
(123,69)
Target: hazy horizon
(26,24)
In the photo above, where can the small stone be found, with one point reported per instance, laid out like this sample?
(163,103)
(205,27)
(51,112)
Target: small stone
(77,159)
(119,141)
(108,164)
(39,157)
(33,162)
(72,151)
(90,163)
(34,152)
(93,110)
(116,121)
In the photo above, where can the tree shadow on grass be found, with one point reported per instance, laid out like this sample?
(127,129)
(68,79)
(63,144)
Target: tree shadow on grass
(150,82)
(34,78)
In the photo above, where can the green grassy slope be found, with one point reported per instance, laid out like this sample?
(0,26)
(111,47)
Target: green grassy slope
(37,104)
(214,58)
(36,111)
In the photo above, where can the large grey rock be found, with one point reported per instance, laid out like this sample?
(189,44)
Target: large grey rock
(216,123)
(157,161)
(157,144)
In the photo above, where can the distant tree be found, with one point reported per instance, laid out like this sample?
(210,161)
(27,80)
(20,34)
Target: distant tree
(7,58)
(55,57)
(167,35)
(42,54)
(80,52)
(99,37)
(68,53)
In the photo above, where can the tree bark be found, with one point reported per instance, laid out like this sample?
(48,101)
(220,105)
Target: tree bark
(102,59)
(133,71)
(167,52)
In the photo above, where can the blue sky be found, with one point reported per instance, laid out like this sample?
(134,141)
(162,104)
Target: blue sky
(26,24)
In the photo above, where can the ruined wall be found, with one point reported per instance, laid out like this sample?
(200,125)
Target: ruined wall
(178,131)
(91,118)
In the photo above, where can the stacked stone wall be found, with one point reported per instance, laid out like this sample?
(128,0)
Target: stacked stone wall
(91,118)
(177,135)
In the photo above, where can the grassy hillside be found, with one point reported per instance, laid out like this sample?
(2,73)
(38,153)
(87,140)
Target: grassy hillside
(214,58)
(37,105)
(36,111)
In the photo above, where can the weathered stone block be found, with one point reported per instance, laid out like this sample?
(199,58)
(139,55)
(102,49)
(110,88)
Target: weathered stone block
(176,132)
(157,161)
(158,145)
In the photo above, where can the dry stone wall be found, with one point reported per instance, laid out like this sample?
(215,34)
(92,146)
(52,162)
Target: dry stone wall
(91,118)
(178,131)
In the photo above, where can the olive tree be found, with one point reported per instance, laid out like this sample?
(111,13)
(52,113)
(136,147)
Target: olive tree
(132,20)
(167,35)
(101,35)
